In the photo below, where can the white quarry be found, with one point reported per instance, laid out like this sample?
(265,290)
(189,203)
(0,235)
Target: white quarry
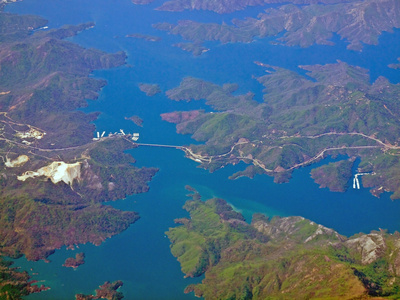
(56,172)
(19,161)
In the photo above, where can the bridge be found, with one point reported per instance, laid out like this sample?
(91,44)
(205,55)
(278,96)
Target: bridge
(160,145)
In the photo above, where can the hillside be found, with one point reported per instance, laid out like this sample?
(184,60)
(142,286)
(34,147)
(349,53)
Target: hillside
(280,258)
(334,110)
(53,175)
(302,23)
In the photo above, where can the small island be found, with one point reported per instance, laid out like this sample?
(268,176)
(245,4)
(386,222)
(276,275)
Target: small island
(109,291)
(135,119)
(75,262)
(395,66)
(142,2)
(150,89)
(146,37)
(196,49)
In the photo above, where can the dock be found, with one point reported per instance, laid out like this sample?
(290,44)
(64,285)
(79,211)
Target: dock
(356,181)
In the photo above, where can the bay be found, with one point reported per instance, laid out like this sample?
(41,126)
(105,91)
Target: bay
(140,256)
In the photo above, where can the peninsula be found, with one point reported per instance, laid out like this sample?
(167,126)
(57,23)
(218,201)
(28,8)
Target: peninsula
(54,177)
(280,257)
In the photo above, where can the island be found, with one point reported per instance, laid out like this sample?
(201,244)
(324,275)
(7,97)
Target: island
(150,89)
(334,110)
(54,174)
(307,23)
(280,257)
(146,37)
(395,66)
(142,2)
(135,119)
(75,262)
(195,48)
(109,291)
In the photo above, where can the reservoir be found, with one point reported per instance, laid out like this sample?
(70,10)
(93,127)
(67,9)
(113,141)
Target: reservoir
(140,256)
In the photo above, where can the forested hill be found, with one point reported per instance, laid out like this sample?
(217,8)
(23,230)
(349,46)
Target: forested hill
(280,257)
(333,109)
(53,175)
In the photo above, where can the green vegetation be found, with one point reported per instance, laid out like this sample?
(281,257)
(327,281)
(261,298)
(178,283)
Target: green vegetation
(334,176)
(14,27)
(281,258)
(300,122)
(213,226)
(15,284)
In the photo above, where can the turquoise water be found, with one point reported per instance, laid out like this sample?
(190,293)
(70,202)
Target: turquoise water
(140,256)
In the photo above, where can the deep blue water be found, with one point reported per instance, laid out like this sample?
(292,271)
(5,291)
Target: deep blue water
(140,256)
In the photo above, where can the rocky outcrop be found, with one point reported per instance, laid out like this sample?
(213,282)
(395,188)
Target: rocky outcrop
(281,226)
(370,246)
(294,228)
(323,231)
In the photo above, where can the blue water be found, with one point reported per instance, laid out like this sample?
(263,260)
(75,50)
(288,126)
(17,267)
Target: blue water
(140,256)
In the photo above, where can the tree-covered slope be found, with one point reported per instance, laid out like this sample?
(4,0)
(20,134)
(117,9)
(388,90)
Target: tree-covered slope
(53,175)
(15,284)
(333,109)
(301,22)
(280,258)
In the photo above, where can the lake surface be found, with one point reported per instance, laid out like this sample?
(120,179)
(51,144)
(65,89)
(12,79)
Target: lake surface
(140,256)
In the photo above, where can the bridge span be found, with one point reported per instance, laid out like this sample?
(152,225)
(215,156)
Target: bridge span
(160,145)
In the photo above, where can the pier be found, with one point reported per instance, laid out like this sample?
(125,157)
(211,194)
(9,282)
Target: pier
(356,182)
